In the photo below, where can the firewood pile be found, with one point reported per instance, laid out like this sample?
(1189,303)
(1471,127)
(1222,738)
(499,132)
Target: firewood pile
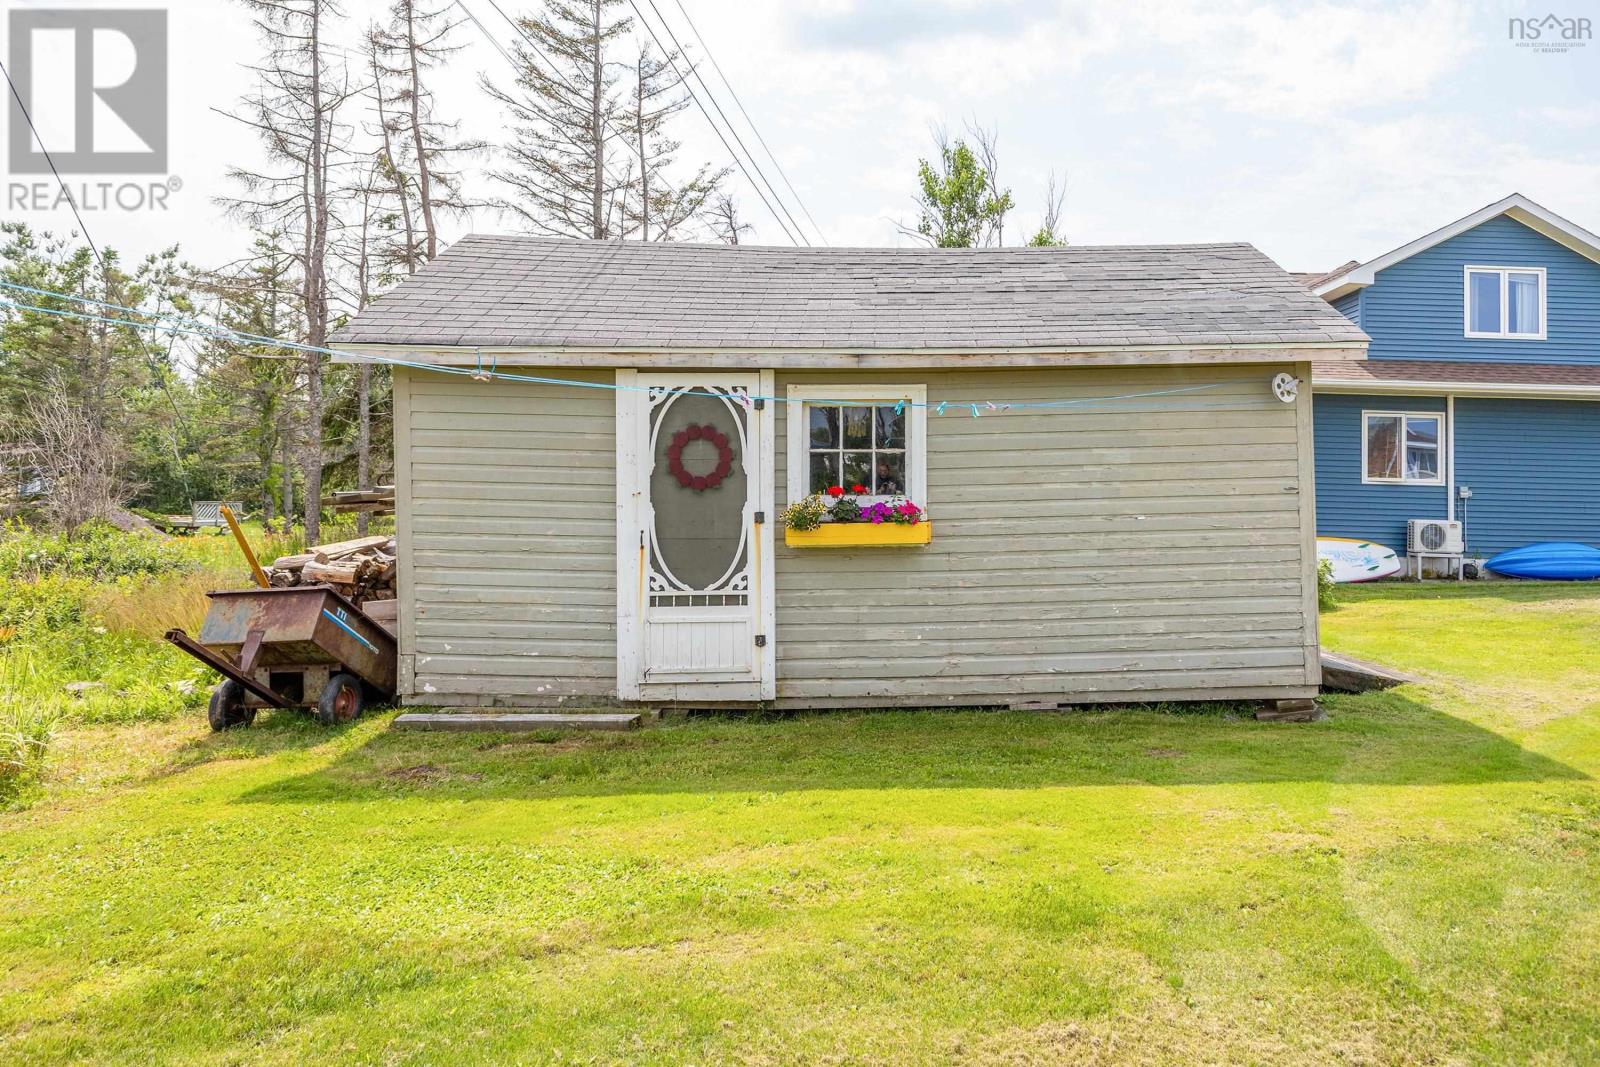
(363,569)
(377,501)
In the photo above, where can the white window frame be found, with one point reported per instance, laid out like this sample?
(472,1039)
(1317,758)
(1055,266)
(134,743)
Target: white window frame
(1505,308)
(1436,416)
(799,442)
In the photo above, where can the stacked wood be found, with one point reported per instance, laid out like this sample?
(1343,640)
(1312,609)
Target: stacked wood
(379,500)
(363,569)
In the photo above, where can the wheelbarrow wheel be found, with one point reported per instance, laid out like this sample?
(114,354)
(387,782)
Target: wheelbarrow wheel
(227,709)
(341,701)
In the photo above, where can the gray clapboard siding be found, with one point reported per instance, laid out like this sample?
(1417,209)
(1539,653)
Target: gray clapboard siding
(1155,551)
(507,505)
(1158,551)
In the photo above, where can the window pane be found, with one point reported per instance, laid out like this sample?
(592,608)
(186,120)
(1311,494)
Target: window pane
(1484,293)
(1383,446)
(857,469)
(891,428)
(824,470)
(824,427)
(1422,432)
(1522,303)
(858,427)
(1422,449)
(889,479)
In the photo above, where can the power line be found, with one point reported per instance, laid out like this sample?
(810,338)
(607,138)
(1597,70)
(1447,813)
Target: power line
(669,53)
(48,158)
(556,73)
(753,128)
(717,130)
(961,407)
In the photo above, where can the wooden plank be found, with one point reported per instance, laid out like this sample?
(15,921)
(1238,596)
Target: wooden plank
(1347,674)
(514,722)
(1306,485)
(337,550)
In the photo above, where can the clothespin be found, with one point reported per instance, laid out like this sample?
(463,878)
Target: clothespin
(940,409)
(478,375)
(899,406)
(974,411)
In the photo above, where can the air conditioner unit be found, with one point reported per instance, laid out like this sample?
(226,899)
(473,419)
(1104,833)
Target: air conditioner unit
(1433,536)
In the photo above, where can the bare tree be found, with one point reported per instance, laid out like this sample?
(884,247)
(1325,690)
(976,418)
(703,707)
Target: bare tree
(657,96)
(419,149)
(986,147)
(78,460)
(564,175)
(1048,233)
(296,112)
(725,220)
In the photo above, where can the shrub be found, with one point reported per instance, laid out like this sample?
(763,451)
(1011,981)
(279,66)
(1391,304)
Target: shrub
(96,552)
(25,734)
(1326,589)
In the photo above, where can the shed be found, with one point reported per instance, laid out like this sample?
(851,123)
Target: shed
(594,442)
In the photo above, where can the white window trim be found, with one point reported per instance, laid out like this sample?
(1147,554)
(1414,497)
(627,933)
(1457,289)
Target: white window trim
(1444,444)
(799,445)
(1505,310)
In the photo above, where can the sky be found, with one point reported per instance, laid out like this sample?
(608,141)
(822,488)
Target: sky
(1319,132)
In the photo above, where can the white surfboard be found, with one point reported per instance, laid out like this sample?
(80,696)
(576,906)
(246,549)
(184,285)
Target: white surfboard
(1357,561)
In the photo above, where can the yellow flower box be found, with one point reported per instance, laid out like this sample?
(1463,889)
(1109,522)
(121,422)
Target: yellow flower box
(860,535)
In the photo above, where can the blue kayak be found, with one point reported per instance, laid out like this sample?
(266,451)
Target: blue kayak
(1559,561)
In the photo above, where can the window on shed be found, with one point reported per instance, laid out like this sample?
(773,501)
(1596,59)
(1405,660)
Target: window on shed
(857,445)
(871,437)
(1505,302)
(1403,447)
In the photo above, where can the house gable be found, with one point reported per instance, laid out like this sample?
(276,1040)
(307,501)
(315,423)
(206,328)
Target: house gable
(1413,306)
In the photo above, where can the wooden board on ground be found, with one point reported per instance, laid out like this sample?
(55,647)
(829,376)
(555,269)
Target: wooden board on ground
(510,722)
(1346,674)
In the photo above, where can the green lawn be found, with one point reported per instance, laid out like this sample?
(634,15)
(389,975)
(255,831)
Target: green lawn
(1416,880)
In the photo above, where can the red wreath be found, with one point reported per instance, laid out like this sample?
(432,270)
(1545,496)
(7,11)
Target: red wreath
(699,482)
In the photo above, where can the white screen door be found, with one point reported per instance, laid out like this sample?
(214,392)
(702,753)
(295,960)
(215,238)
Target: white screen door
(694,537)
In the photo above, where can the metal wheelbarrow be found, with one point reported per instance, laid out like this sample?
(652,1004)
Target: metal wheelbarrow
(302,647)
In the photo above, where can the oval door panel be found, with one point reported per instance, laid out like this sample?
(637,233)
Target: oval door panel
(698,491)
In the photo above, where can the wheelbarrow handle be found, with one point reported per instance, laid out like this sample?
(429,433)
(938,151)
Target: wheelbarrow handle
(223,666)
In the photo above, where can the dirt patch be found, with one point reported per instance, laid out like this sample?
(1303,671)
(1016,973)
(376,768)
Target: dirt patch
(1165,753)
(428,774)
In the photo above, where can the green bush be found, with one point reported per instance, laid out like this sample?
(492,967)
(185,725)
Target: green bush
(1326,589)
(97,552)
(25,734)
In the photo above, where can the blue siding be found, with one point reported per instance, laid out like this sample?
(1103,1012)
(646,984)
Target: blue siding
(1414,308)
(1349,305)
(1345,506)
(1534,470)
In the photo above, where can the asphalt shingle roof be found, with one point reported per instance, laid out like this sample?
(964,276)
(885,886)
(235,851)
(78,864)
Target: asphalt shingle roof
(1474,372)
(520,291)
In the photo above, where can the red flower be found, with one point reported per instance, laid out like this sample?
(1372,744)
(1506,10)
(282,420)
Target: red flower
(858,489)
(836,491)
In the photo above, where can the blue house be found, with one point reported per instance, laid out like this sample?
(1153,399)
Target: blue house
(1479,400)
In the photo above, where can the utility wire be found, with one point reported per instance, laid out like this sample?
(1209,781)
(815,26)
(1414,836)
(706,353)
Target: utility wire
(557,75)
(670,57)
(192,327)
(554,72)
(752,122)
(105,272)
(48,158)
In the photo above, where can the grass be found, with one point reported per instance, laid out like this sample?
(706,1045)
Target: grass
(81,624)
(1414,881)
